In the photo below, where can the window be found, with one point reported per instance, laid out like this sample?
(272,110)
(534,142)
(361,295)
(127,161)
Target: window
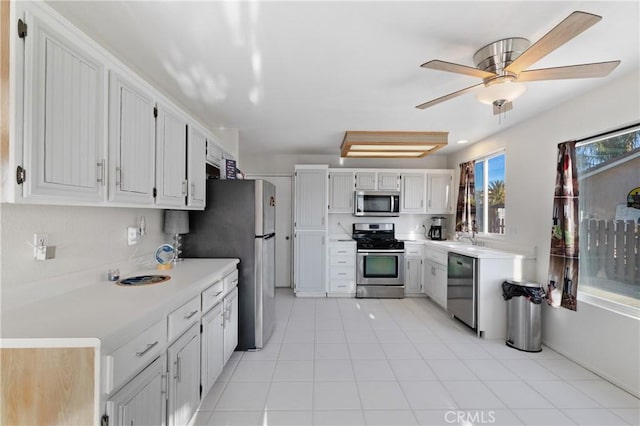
(609,203)
(490,194)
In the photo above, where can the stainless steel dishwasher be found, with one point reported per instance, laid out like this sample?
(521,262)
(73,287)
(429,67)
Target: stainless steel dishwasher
(461,288)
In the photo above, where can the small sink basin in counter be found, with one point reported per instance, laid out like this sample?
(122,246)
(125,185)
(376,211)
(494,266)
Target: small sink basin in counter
(141,280)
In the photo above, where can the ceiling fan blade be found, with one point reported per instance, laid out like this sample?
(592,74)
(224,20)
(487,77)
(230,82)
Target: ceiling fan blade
(449,96)
(507,106)
(457,68)
(569,28)
(600,69)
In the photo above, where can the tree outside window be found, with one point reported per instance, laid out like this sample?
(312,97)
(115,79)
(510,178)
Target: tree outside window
(490,193)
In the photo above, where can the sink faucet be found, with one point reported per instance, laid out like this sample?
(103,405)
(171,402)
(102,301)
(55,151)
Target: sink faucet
(472,238)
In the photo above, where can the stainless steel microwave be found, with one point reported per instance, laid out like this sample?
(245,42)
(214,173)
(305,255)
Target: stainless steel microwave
(376,203)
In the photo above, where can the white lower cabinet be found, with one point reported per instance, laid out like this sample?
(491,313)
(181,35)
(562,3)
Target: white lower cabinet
(309,266)
(413,275)
(342,268)
(142,401)
(212,353)
(230,324)
(184,377)
(435,276)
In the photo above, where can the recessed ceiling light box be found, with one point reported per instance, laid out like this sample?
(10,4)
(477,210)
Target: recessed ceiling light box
(374,144)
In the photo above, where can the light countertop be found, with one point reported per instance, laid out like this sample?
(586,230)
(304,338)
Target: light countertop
(113,313)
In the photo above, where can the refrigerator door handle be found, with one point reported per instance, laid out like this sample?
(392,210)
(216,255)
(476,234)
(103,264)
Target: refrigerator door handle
(266,236)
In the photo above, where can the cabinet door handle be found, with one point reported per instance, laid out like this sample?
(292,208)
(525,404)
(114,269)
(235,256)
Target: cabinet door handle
(191,314)
(193,190)
(101,180)
(118,176)
(178,375)
(184,188)
(147,349)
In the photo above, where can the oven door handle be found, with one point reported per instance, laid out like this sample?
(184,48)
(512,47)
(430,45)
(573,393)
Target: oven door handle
(378,251)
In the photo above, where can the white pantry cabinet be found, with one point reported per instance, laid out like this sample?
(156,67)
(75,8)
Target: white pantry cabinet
(309,265)
(310,230)
(131,142)
(171,157)
(440,190)
(196,167)
(64,118)
(413,193)
(184,377)
(142,401)
(341,189)
(310,199)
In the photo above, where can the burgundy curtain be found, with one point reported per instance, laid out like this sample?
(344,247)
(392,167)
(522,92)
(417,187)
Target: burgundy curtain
(466,207)
(563,259)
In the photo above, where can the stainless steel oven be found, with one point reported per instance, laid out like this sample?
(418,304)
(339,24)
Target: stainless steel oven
(382,267)
(379,261)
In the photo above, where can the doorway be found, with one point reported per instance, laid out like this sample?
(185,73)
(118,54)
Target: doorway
(284,191)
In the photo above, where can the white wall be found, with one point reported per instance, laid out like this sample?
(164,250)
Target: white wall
(605,342)
(86,238)
(259,163)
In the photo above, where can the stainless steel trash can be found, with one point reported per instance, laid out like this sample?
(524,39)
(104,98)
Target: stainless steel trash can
(524,315)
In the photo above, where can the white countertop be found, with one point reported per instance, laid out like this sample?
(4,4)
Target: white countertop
(465,248)
(460,247)
(113,313)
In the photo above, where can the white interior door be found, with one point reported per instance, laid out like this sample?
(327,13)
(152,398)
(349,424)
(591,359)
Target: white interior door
(284,231)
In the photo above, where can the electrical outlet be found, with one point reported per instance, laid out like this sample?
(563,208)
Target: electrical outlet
(132,235)
(39,240)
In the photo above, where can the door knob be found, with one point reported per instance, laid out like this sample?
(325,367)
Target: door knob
(286,238)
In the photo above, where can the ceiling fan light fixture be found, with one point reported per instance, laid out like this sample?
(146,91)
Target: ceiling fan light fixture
(501,93)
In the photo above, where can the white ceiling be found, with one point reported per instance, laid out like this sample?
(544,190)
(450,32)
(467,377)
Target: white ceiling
(293,76)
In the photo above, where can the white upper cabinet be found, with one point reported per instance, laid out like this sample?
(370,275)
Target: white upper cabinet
(311,199)
(215,153)
(440,192)
(131,142)
(64,143)
(341,187)
(413,193)
(196,154)
(377,180)
(365,180)
(171,158)
(388,181)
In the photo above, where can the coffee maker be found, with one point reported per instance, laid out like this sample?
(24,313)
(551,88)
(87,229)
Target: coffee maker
(438,229)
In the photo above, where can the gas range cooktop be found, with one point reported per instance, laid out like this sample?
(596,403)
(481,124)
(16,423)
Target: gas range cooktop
(377,236)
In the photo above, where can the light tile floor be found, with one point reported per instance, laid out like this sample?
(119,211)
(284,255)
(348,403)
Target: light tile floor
(401,362)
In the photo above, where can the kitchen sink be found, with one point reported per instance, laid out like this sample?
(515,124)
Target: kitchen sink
(140,280)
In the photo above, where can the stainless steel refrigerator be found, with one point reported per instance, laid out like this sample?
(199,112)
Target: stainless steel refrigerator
(239,222)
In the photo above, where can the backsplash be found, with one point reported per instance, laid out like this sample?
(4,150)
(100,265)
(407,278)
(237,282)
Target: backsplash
(86,238)
(406,226)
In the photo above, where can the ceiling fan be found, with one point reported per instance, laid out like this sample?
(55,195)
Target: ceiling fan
(502,65)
